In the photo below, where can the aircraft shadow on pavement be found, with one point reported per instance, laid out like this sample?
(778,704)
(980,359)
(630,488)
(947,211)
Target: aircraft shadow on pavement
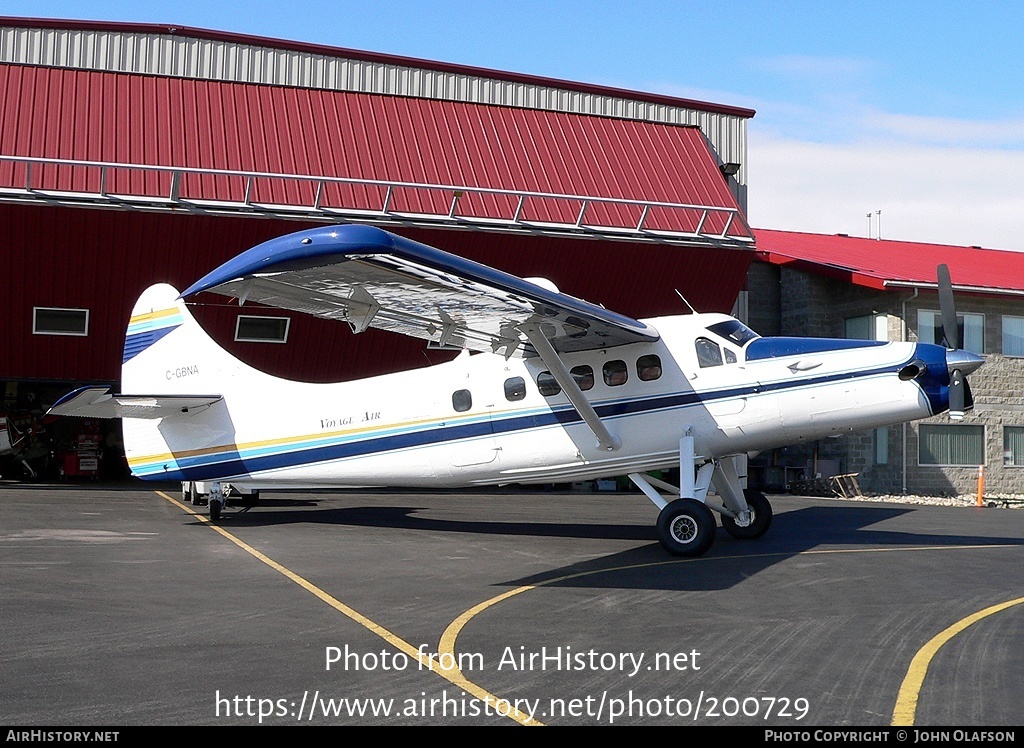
(792,532)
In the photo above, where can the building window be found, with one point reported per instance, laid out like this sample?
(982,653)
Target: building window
(882,445)
(250,329)
(1013,446)
(868,327)
(947,444)
(1013,336)
(971,330)
(54,321)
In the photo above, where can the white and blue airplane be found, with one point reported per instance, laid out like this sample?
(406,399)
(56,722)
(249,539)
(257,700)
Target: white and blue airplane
(548,388)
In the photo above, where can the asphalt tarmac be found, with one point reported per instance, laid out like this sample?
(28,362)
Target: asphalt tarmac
(120,607)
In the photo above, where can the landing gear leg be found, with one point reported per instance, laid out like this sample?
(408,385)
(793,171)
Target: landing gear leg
(217,501)
(686,526)
(760,513)
(750,513)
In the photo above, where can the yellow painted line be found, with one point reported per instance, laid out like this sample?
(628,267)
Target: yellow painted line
(451,633)
(906,702)
(454,676)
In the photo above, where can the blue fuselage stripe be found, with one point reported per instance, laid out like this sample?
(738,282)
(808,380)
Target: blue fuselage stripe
(230,462)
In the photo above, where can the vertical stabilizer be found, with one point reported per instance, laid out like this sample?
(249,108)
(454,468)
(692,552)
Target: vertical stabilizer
(167,352)
(168,361)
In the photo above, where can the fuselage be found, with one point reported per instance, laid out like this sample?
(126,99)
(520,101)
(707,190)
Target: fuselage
(483,419)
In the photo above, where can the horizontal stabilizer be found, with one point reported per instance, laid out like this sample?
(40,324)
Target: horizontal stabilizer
(99,402)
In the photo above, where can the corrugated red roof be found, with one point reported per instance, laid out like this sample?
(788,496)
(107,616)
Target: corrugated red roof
(354,54)
(126,118)
(887,263)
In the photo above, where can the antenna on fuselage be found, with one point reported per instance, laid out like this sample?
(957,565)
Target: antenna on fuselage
(684,300)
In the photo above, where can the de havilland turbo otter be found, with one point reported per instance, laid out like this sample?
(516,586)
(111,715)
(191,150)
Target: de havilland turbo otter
(548,388)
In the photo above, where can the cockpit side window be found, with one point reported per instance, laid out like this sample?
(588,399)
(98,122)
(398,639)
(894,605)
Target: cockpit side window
(730,357)
(708,353)
(734,331)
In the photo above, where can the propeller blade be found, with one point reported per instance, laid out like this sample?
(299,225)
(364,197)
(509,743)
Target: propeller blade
(957,395)
(947,306)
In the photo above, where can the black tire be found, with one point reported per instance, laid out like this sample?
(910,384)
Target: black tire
(762,510)
(215,507)
(686,528)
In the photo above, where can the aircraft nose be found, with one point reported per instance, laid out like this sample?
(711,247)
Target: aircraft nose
(963,360)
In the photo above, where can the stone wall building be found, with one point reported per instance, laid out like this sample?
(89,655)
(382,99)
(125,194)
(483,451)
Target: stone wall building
(847,287)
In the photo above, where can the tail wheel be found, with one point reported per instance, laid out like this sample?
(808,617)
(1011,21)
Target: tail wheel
(686,528)
(760,521)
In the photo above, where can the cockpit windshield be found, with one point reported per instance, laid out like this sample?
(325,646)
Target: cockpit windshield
(734,331)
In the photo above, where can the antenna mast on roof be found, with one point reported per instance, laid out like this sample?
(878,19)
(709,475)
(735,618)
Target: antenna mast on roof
(878,225)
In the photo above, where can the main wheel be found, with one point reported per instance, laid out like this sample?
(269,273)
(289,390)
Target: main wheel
(686,528)
(759,522)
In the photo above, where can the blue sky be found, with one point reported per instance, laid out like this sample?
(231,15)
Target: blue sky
(915,109)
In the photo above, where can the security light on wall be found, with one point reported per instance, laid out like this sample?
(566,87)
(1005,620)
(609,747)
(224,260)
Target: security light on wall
(730,169)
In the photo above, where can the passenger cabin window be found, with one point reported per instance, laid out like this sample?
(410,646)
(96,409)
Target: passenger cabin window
(708,353)
(515,389)
(462,400)
(584,376)
(648,368)
(615,373)
(547,385)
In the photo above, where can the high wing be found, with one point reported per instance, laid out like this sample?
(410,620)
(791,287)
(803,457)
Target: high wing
(369,277)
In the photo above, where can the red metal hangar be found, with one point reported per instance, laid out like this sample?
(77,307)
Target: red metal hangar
(137,153)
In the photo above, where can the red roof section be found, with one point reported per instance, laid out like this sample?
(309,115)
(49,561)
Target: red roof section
(126,118)
(887,263)
(354,54)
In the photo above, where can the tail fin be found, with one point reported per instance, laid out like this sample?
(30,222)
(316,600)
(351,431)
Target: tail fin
(166,351)
(174,424)
(160,370)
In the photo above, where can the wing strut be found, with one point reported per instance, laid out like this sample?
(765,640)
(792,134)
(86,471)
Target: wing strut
(605,439)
